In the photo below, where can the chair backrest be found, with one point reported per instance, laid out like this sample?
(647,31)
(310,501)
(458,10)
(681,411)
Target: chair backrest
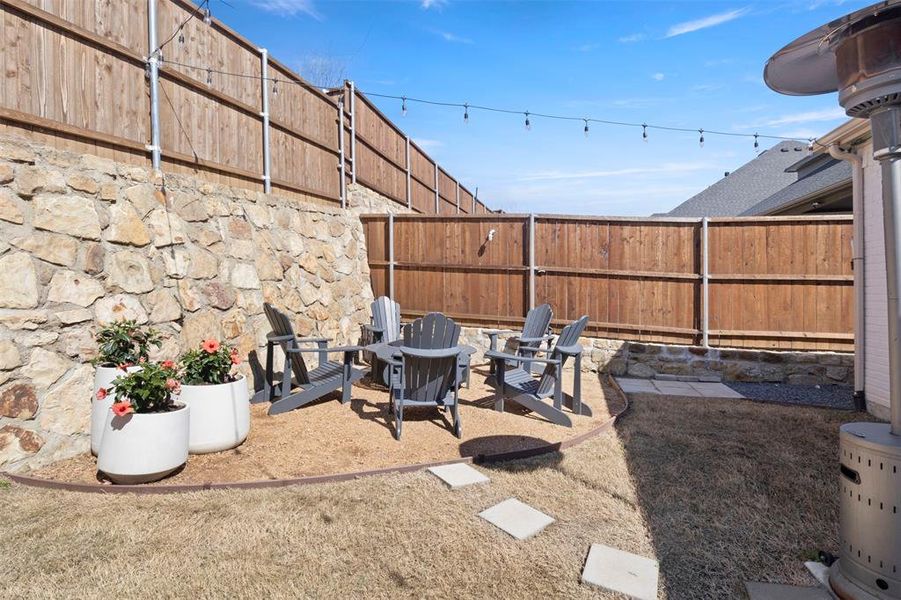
(281,325)
(538,320)
(569,336)
(431,332)
(386,316)
(429,378)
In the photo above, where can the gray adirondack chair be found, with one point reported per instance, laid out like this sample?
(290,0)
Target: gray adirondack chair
(535,332)
(521,387)
(385,327)
(430,370)
(310,385)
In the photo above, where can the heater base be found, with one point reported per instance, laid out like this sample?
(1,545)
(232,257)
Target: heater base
(844,588)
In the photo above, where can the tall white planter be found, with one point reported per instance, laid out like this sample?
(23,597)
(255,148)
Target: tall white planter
(103,377)
(140,448)
(220,415)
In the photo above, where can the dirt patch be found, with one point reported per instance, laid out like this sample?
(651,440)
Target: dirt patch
(328,437)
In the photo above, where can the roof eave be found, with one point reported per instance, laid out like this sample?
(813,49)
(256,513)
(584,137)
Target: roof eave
(849,133)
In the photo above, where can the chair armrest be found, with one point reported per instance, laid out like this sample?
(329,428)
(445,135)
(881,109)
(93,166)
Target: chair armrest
(569,350)
(543,338)
(511,357)
(498,331)
(311,340)
(274,339)
(344,349)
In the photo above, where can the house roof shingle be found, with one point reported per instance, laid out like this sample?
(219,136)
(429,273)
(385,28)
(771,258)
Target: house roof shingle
(833,174)
(747,186)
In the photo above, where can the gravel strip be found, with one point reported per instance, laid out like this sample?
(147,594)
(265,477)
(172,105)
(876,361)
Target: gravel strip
(826,396)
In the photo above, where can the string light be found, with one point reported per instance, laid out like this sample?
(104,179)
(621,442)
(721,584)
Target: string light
(810,144)
(528,123)
(756,143)
(275,87)
(586,127)
(209,76)
(701,139)
(644,132)
(466,114)
(207,16)
(181,36)
(403,106)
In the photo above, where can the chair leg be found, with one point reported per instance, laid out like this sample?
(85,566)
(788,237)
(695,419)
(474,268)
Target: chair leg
(499,385)
(268,379)
(345,384)
(577,385)
(558,388)
(286,377)
(398,419)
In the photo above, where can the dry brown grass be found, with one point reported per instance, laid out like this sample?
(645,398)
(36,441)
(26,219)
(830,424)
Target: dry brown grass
(719,491)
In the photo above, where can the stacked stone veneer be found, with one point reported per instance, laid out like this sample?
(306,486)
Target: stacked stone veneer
(634,359)
(85,240)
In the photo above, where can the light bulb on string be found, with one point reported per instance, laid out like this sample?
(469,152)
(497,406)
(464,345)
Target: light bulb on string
(756,143)
(644,132)
(275,87)
(701,139)
(585,130)
(528,123)
(403,106)
(209,76)
(810,144)
(181,36)
(466,114)
(207,16)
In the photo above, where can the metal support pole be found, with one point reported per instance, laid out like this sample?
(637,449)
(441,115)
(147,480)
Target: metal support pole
(531,261)
(409,180)
(391,255)
(458,196)
(705,285)
(437,194)
(264,77)
(353,133)
(475,201)
(153,66)
(342,167)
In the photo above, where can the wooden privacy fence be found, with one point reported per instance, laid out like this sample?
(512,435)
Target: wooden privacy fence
(77,77)
(762,282)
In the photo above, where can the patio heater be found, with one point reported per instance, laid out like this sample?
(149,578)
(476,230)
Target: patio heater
(859,55)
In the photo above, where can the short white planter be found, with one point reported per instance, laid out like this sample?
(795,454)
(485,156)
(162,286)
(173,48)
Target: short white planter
(140,448)
(220,415)
(103,377)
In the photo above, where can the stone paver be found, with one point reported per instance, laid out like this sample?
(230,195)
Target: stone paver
(715,390)
(516,518)
(690,389)
(775,591)
(623,572)
(458,475)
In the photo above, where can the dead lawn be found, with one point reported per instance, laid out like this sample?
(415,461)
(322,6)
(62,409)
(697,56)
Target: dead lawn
(719,491)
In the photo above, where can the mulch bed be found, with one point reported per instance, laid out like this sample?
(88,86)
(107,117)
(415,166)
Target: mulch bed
(330,438)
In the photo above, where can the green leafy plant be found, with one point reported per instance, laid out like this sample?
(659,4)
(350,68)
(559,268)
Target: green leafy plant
(209,364)
(125,343)
(148,390)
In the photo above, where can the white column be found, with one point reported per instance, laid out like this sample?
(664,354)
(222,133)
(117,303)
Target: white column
(153,66)
(264,77)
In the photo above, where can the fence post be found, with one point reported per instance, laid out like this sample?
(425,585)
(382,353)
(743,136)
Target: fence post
(264,76)
(437,195)
(458,196)
(391,255)
(343,185)
(409,183)
(153,66)
(531,261)
(353,133)
(705,285)
(475,200)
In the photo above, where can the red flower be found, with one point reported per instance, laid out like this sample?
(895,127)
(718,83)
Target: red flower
(142,360)
(168,364)
(235,359)
(124,366)
(120,409)
(173,385)
(210,346)
(101,393)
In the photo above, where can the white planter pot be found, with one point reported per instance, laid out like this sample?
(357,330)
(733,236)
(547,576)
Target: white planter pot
(220,415)
(139,448)
(103,377)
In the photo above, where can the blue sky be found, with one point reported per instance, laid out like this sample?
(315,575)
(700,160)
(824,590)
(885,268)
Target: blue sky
(683,64)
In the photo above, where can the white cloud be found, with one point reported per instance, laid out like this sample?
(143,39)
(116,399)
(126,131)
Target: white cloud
(453,38)
(632,38)
(811,116)
(658,76)
(705,22)
(628,171)
(588,47)
(288,8)
(427,144)
(427,4)
(801,134)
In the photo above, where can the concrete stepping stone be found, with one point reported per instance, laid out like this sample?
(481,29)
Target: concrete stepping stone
(516,518)
(775,591)
(458,475)
(618,571)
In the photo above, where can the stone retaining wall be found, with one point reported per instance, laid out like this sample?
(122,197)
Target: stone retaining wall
(86,240)
(649,360)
